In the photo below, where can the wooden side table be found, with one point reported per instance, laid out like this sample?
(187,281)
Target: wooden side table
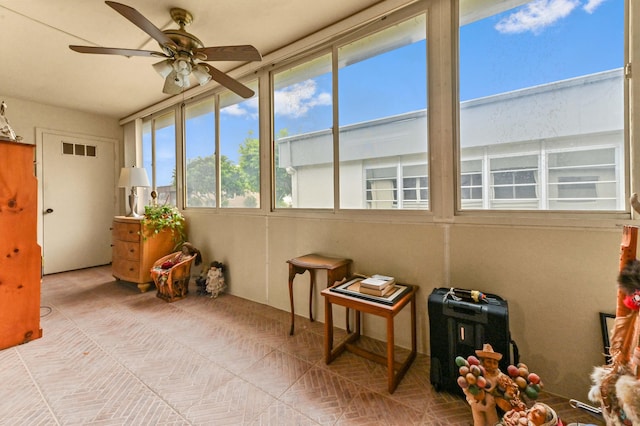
(386,311)
(337,269)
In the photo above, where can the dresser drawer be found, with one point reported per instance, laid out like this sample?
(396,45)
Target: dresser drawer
(126,269)
(126,231)
(126,250)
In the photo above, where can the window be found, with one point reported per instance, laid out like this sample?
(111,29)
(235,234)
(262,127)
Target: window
(584,178)
(302,119)
(382,121)
(382,188)
(382,191)
(200,149)
(471,183)
(549,80)
(239,150)
(159,155)
(383,115)
(239,159)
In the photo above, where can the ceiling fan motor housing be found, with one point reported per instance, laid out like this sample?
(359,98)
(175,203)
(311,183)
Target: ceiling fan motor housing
(185,42)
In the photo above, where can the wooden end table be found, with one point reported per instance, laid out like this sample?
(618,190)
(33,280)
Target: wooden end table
(395,370)
(337,268)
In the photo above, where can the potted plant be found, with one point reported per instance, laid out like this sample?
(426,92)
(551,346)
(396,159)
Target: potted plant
(158,218)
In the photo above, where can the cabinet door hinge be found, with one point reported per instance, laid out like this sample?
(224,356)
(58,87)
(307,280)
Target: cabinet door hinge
(627,71)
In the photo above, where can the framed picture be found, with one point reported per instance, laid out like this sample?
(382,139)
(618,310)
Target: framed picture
(352,288)
(606,323)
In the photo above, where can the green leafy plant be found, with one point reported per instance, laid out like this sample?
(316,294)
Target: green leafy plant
(159,218)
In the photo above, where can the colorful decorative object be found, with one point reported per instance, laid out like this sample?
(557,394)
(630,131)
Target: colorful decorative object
(616,385)
(487,388)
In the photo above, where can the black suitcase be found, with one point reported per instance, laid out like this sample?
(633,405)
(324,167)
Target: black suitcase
(458,325)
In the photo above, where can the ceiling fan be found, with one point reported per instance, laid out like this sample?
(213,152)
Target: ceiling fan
(183,53)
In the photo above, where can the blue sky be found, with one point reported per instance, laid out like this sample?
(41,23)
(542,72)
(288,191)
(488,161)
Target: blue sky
(539,42)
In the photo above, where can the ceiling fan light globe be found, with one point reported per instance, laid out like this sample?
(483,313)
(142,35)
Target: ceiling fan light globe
(163,68)
(185,83)
(182,66)
(201,74)
(170,85)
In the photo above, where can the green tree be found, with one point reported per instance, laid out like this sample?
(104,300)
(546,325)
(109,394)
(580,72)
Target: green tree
(233,180)
(249,162)
(242,179)
(283,179)
(201,182)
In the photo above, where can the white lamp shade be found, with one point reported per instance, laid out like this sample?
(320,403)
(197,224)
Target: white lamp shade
(163,68)
(201,73)
(133,176)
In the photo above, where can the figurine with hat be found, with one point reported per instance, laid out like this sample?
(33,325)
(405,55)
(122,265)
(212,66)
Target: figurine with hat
(487,388)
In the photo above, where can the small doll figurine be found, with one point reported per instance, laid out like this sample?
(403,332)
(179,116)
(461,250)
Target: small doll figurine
(538,415)
(5,128)
(215,279)
(484,411)
(497,390)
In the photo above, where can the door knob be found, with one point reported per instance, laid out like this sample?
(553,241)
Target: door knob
(49,210)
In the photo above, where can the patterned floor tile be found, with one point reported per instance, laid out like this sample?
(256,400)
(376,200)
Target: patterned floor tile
(111,355)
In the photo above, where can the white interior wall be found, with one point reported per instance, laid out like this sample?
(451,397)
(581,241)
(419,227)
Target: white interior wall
(555,280)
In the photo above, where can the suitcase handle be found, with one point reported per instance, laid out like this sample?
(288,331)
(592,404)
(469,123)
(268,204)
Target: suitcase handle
(464,307)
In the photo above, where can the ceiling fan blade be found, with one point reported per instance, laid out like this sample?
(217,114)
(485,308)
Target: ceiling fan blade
(141,22)
(230,83)
(230,53)
(117,51)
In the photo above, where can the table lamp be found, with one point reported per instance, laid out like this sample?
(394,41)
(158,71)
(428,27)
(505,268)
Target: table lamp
(133,177)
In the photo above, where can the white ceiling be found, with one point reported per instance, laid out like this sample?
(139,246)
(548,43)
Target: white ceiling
(36,63)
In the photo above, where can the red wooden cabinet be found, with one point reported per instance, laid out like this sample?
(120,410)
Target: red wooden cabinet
(20,254)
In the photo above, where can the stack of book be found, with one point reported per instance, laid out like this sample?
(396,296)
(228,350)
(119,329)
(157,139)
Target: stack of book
(377,285)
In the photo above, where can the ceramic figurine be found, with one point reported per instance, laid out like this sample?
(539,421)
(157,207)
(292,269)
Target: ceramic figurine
(5,128)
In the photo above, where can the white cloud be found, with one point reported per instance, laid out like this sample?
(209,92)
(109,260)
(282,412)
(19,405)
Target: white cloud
(296,100)
(592,5)
(234,110)
(245,108)
(538,15)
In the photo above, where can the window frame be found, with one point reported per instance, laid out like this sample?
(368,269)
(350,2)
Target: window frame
(596,218)
(331,47)
(443,120)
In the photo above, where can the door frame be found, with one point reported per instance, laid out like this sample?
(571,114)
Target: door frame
(40,132)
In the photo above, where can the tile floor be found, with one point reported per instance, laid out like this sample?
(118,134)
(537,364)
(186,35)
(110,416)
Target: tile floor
(111,355)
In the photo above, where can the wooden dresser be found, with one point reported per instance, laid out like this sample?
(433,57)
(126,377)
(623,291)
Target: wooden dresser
(136,248)
(20,254)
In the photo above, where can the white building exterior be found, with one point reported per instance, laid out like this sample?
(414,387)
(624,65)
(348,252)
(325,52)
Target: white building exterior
(556,146)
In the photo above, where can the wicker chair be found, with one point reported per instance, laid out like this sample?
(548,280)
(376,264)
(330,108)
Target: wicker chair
(173,282)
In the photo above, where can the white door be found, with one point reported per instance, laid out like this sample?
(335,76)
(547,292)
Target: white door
(78,201)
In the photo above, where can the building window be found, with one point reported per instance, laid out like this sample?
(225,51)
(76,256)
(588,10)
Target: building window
(382,191)
(514,182)
(415,187)
(583,180)
(471,183)
(534,78)
(382,188)
(159,155)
